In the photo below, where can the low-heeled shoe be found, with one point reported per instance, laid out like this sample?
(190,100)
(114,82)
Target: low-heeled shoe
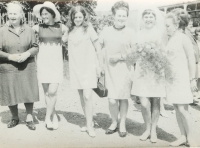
(122,134)
(13,123)
(109,131)
(31,125)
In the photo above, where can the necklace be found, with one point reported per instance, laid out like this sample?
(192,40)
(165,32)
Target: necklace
(118,28)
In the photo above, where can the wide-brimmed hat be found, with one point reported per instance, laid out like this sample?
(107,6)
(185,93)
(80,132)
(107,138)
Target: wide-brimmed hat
(36,10)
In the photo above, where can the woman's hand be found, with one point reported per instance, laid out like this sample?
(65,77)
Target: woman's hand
(114,59)
(193,85)
(23,57)
(100,72)
(13,57)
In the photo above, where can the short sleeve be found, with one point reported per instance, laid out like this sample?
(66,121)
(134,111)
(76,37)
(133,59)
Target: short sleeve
(102,37)
(92,33)
(36,28)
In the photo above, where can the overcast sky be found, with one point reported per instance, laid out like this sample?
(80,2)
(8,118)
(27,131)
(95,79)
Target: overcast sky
(105,5)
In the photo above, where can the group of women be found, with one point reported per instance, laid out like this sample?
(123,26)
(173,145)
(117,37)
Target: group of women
(18,75)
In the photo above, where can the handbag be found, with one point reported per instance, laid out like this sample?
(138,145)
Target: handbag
(101,90)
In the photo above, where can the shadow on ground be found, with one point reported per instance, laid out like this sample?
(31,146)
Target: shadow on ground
(102,121)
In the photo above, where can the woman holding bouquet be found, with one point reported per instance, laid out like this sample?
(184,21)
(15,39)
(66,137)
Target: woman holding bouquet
(181,54)
(117,42)
(49,58)
(145,85)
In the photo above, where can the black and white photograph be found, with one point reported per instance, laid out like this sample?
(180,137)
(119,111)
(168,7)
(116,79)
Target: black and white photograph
(99,73)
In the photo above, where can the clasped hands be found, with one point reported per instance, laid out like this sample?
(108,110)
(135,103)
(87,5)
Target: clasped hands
(19,58)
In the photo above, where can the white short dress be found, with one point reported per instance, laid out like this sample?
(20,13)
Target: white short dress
(50,58)
(82,58)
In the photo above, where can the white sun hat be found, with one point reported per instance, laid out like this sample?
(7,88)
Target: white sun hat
(36,10)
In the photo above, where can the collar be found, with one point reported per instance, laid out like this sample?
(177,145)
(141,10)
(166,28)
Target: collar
(12,29)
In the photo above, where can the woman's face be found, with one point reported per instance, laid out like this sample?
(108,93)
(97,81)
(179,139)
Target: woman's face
(149,20)
(120,18)
(170,26)
(15,15)
(46,16)
(78,19)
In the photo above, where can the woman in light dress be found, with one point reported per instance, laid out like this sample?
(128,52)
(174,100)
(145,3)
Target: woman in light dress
(82,44)
(117,41)
(181,55)
(49,58)
(146,87)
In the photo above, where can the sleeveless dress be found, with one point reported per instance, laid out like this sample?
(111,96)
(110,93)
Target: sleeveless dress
(147,86)
(118,75)
(179,91)
(82,58)
(49,58)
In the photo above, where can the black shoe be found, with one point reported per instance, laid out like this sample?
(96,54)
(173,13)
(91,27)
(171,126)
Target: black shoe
(122,134)
(13,123)
(31,125)
(109,131)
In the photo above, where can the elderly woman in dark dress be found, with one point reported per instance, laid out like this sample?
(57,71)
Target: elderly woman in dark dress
(18,81)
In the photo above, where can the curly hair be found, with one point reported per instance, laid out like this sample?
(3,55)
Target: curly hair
(120,5)
(72,14)
(182,16)
(148,11)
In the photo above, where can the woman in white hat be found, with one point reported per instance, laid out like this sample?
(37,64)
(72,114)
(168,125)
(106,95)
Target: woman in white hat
(49,58)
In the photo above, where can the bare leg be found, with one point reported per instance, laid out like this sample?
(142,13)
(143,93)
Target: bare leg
(123,112)
(182,139)
(87,95)
(155,106)
(163,112)
(146,114)
(186,120)
(50,101)
(114,111)
(82,100)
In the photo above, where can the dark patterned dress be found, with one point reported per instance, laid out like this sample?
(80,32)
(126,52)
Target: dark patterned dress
(18,81)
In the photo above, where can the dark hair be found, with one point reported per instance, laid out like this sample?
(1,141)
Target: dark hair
(148,11)
(72,14)
(48,10)
(120,5)
(195,24)
(182,16)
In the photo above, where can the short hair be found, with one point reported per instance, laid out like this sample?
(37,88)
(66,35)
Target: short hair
(17,4)
(48,10)
(120,5)
(11,4)
(148,11)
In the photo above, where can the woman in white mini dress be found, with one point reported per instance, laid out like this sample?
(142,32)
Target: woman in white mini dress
(49,58)
(181,55)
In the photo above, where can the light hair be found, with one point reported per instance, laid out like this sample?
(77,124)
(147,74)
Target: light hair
(174,18)
(14,5)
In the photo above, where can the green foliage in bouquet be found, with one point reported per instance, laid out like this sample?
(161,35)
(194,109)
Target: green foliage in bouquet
(152,58)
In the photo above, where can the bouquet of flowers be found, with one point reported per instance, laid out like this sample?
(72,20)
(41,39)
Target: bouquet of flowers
(152,58)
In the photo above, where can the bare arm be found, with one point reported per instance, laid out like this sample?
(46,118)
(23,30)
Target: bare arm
(65,33)
(188,47)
